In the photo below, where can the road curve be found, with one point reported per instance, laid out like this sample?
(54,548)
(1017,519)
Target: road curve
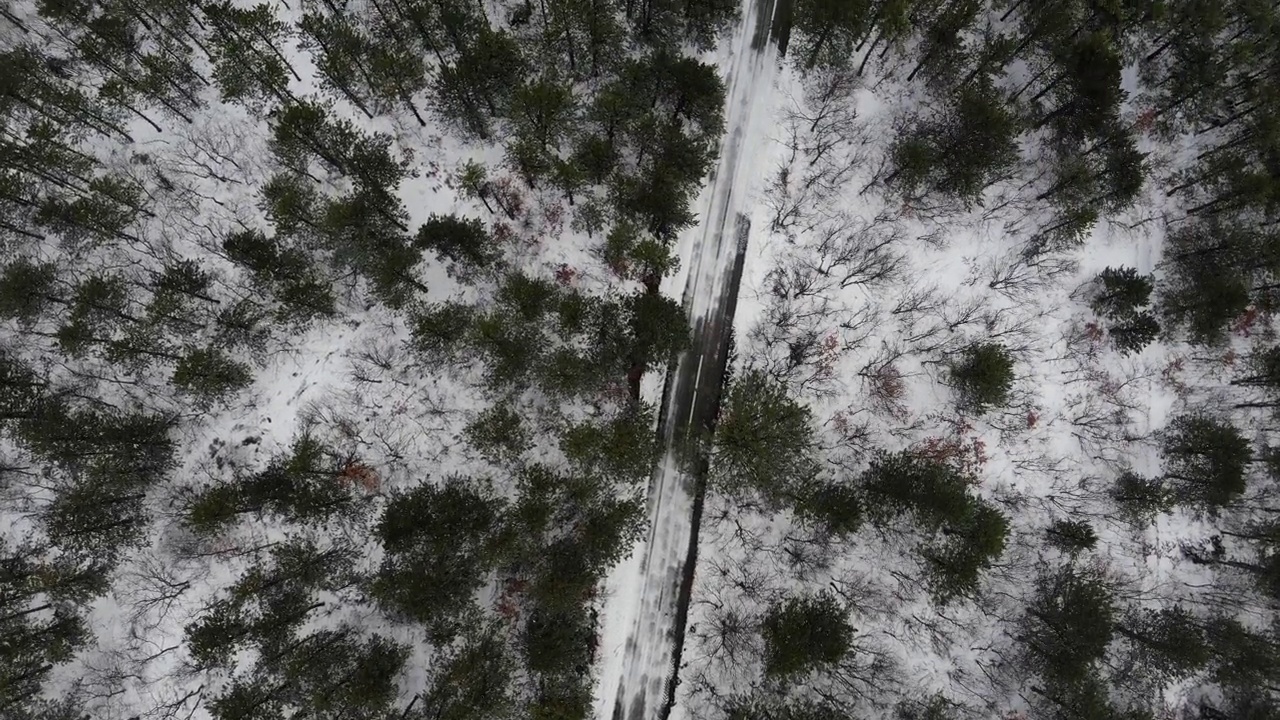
(638,671)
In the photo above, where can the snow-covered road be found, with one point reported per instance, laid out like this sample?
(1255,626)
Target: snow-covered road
(644,614)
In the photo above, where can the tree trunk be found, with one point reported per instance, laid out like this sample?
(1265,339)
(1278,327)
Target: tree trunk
(817,47)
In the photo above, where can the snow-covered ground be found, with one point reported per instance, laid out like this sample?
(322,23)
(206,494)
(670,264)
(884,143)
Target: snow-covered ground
(880,293)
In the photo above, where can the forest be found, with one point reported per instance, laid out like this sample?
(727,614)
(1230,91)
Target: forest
(334,334)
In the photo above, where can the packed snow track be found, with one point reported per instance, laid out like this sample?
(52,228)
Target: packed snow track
(644,615)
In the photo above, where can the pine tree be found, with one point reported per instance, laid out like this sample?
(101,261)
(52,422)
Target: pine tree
(98,519)
(1122,292)
(958,156)
(1241,659)
(1205,460)
(246,48)
(557,642)
(439,330)
(437,541)
(1141,499)
(268,603)
(1134,333)
(620,447)
(953,568)
(33,644)
(836,508)
(101,214)
(181,298)
(1068,624)
(26,290)
(42,596)
(36,82)
(366,233)
(473,678)
(1262,369)
(210,374)
(764,440)
(288,273)
(1212,268)
(1170,641)
(982,377)
(804,633)
(309,484)
(499,433)
(341,52)
(1072,536)
(463,241)
(334,674)
(828,30)
(542,114)
(934,493)
(1089,88)
(659,330)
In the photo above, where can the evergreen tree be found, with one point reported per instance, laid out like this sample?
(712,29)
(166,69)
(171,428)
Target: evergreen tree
(934,493)
(288,273)
(268,604)
(463,241)
(32,644)
(764,440)
(542,115)
(333,674)
(958,156)
(1068,624)
(1089,88)
(246,47)
(621,448)
(828,30)
(1169,641)
(27,289)
(341,52)
(1122,292)
(1134,333)
(835,507)
(309,484)
(1262,369)
(1140,499)
(557,642)
(438,543)
(953,568)
(1072,536)
(1241,659)
(366,233)
(982,377)
(472,679)
(499,433)
(1212,269)
(440,329)
(42,596)
(1205,460)
(659,330)
(209,374)
(804,633)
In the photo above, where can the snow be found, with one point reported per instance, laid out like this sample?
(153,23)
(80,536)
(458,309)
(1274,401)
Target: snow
(642,593)
(1081,414)
(1094,411)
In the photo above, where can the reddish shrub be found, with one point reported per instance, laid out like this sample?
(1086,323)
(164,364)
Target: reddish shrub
(887,389)
(1243,325)
(358,474)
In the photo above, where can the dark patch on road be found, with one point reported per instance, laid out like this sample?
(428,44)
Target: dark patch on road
(781,30)
(706,420)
